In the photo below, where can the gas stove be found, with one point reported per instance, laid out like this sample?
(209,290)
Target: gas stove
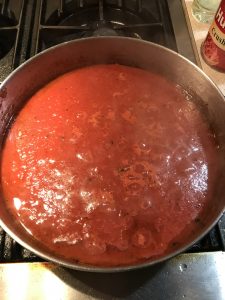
(30,26)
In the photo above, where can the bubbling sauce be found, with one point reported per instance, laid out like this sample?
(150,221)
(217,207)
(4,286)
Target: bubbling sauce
(109,165)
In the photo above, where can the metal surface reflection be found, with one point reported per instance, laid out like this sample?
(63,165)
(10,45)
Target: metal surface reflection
(188,276)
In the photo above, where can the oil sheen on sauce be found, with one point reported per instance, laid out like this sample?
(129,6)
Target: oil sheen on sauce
(109,165)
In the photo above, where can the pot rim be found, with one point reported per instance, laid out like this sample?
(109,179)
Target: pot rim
(92,268)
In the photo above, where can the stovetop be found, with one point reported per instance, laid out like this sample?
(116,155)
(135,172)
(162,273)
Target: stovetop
(28,27)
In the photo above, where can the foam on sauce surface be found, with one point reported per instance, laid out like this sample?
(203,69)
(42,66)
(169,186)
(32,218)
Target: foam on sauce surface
(108,165)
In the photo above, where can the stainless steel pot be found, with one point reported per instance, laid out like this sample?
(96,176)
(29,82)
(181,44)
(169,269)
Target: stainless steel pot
(41,69)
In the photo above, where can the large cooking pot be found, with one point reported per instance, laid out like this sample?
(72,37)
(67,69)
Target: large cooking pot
(46,66)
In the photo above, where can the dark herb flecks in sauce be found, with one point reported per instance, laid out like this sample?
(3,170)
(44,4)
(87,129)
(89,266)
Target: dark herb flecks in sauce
(109,165)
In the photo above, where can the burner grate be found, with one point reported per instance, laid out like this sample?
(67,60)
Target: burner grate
(27,27)
(11,251)
(11,18)
(67,20)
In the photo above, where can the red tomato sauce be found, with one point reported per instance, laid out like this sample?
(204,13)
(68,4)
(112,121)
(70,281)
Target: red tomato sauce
(109,165)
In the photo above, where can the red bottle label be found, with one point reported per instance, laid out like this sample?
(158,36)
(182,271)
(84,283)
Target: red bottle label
(217,29)
(213,49)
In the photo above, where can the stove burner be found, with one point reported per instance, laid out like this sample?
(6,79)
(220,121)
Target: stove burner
(86,17)
(97,20)
(104,31)
(103,28)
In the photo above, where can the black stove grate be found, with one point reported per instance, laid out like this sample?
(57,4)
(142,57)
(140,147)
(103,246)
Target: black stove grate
(11,18)
(28,27)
